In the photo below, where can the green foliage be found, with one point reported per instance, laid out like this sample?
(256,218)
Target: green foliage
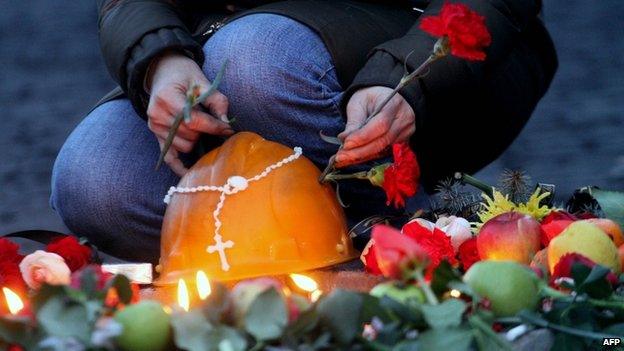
(267,317)
(65,316)
(448,314)
(193,332)
(611,203)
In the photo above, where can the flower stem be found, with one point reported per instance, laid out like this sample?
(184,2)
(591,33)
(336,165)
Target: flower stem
(336,176)
(470,180)
(540,322)
(429,294)
(478,323)
(556,294)
(402,83)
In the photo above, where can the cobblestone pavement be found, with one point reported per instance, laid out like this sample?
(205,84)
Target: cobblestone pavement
(51,73)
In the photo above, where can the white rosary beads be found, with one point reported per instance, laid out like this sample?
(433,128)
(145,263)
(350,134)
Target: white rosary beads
(233,185)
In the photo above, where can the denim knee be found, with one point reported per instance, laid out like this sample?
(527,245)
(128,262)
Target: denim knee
(272,53)
(104,185)
(280,80)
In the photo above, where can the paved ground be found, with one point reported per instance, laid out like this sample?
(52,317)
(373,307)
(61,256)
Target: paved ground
(51,73)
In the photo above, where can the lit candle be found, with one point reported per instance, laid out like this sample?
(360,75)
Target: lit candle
(315,295)
(203,285)
(308,285)
(14,302)
(304,282)
(183,295)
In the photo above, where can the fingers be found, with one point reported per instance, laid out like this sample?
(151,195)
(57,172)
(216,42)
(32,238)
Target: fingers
(376,148)
(377,126)
(218,105)
(172,159)
(179,143)
(167,104)
(356,115)
(205,123)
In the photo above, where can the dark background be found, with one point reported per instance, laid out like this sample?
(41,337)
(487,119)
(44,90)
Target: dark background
(51,73)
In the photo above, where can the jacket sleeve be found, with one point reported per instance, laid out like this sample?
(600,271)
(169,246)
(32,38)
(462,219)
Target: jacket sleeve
(468,113)
(133,32)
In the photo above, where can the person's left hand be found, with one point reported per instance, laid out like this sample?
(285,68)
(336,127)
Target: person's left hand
(394,124)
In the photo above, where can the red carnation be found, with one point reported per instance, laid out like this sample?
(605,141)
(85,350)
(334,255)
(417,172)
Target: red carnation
(563,268)
(9,251)
(465,29)
(393,253)
(75,254)
(369,258)
(468,253)
(435,243)
(400,179)
(553,224)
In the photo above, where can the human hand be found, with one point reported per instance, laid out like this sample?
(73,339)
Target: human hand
(364,141)
(173,75)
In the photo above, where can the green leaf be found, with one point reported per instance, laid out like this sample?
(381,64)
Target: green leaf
(565,342)
(307,321)
(47,292)
(447,314)
(611,203)
(614,329)
(190,330)
(448,339)
(193,332)
(595,283)
(411,345)
(62,318)
(267,316)
(18,332)
(340,313)
(406,313)
(217,304)
(122,284)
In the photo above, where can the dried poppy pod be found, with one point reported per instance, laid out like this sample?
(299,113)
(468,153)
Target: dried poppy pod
(250,208)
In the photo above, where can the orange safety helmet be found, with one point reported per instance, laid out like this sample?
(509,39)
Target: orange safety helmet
(273,217)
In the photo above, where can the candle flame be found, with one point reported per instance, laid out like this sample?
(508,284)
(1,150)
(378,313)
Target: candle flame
(304,282)
(183,295)
(315,295)
(13,301)
(203,285)
(455,293)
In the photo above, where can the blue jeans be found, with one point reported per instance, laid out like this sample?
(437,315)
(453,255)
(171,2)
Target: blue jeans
(281,84)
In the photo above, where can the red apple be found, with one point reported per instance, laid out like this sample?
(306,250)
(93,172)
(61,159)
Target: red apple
(510,236)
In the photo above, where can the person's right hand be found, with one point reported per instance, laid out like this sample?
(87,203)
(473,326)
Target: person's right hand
(172,75)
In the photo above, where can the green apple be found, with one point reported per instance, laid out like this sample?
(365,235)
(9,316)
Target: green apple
(145,327)
(405,294)
(587,239)
(510,287)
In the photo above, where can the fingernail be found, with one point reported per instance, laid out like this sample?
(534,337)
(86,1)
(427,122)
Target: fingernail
(229,131)
(225,118)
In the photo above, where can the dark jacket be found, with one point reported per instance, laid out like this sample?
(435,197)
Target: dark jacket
(467,113)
